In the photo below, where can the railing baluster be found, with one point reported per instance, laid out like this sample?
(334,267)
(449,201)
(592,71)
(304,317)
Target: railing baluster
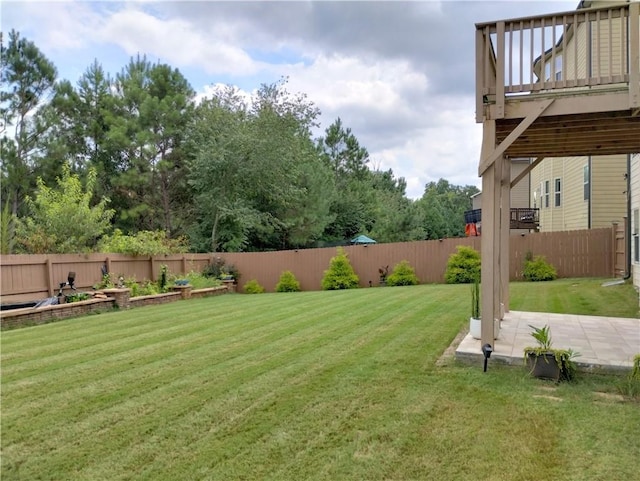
(531,58)
(623,35)
(564,51)
(510,56)
(590,36)
(543,74)
(575,48)
(598,48)
(609,12)
(500,77)
(521,56)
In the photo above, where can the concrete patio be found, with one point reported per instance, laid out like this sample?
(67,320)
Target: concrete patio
(604,343)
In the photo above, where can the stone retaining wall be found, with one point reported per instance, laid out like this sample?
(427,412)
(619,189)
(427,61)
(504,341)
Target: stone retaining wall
(116,298)
(43,315)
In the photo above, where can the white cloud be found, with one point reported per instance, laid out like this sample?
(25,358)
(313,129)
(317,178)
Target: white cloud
(177,43)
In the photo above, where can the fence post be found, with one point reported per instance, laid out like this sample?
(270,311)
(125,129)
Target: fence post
(49,276)
(153,269)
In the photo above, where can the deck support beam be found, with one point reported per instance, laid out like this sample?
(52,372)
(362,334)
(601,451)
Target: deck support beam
(498,151)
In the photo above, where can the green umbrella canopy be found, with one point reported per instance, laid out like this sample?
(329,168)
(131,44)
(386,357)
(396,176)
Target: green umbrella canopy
(362,239)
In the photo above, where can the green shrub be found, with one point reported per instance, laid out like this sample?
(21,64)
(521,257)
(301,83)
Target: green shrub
(463,267)
(253,287)
(148,243)
(133,286)
(340,274)
(538,269)
(200,281)
(147,288)
(288,283)
(403,275)
(76,297)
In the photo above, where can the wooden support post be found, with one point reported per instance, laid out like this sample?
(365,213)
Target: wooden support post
(184,265)
(487,253)
(505,227)
(495,260)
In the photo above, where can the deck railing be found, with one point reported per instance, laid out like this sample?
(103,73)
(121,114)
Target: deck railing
(520,217)
(570,50)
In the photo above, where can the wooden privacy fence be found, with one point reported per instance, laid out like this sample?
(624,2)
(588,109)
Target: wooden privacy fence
(582,253)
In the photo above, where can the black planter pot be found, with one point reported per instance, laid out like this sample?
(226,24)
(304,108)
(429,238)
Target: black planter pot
(544,366)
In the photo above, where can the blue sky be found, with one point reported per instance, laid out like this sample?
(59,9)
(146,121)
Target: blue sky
(399,74)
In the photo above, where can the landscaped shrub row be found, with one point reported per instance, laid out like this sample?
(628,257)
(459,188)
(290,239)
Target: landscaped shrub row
(463,267)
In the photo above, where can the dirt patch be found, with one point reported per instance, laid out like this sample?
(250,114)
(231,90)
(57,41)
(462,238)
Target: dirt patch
(450,352)
(609,396)
(546,396)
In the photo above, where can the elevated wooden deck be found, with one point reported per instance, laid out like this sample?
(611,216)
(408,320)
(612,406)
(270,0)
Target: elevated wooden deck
(557,85)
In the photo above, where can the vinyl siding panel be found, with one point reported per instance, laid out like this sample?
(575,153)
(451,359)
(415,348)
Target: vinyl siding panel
(611,58)
(520,191)
(608,187)
(573,211)
(635,204)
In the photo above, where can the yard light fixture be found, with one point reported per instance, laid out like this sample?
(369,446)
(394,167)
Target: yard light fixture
(486,351)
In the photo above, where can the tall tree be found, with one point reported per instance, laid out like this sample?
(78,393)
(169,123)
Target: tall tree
(353,208)
(154,105)
(63,219)
(219,173)
(397,217)
(80,134)
(442,207)
(27,80)
(257,176)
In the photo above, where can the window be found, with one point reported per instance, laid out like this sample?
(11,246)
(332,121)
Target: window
(636,235)
(557,193)
(545,194)
(555,73)
(586,181)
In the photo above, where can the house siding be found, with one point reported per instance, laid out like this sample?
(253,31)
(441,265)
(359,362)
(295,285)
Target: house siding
(607,199)
(635,205)
(608,190)
(520,191)
(612,55)
(573,211)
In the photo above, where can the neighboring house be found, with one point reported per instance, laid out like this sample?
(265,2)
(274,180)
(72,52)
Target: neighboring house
(520,198)
(580,192)
(635,221)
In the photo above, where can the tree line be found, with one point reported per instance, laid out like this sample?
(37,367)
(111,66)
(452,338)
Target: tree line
(137,153)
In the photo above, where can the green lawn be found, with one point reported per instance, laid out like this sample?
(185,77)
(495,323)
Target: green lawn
(303,386)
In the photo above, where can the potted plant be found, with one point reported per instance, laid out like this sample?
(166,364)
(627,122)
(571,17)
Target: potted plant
(545,362)
(475,323)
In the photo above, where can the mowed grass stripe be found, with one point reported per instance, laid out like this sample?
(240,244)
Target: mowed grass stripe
(270,394)
(326,385)
(335,304)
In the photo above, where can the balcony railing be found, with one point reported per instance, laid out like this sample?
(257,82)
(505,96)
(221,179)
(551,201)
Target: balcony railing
(577,49)
(520,218)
